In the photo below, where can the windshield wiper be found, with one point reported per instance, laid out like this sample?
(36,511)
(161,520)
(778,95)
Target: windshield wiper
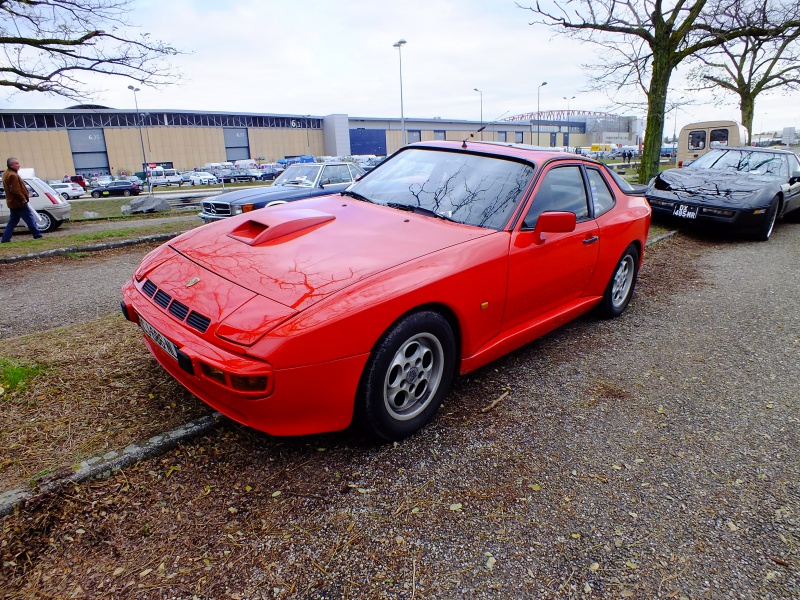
(356,195)
(420,210)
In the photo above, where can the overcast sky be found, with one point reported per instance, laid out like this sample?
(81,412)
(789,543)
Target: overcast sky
(321,57)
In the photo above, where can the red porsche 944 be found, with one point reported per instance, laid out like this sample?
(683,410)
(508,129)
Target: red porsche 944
(363,305)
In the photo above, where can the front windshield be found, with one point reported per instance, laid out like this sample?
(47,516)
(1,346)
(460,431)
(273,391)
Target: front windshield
(745,161)
(464,187)
(299,175)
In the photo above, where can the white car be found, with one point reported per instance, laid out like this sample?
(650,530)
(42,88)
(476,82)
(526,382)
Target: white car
(68,191)
(52,208)
(202,178)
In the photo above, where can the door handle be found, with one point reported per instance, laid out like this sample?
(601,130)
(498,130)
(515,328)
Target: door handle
(591,240)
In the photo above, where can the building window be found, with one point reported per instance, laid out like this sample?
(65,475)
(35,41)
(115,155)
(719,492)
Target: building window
(517,137)
(502,136)
(439,135)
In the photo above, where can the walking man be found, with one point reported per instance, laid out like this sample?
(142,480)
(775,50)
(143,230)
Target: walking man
(17,202)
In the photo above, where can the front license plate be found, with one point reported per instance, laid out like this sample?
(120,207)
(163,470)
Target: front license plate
(168,347)
(685,212)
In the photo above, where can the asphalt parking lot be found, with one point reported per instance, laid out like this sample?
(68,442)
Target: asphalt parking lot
(652,456)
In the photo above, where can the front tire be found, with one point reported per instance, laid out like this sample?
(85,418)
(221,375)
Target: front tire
(623,281)
(765,231)
(95,194)
(407,376)
(65,196)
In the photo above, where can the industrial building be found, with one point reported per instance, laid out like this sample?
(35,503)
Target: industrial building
(89,139)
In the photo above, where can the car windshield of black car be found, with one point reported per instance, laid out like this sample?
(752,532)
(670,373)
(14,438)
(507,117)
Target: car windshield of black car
(745,161)
(300,175)
(468,188)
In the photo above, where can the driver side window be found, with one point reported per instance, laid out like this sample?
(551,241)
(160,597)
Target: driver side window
(561,190)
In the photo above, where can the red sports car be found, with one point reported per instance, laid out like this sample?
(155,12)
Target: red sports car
(304,317)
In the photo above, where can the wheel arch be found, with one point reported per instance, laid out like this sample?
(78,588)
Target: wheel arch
(442,309)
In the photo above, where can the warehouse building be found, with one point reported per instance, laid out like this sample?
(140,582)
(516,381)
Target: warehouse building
(90,140)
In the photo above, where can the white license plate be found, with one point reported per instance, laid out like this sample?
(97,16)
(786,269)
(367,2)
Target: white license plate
(166,345)
(685,212)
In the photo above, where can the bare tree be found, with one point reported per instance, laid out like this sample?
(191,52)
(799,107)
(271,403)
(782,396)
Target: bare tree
(751,66)
(643,41)
(47,45)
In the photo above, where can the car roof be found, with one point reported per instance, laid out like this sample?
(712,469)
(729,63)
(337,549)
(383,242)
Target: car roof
(753,149)
(523,151)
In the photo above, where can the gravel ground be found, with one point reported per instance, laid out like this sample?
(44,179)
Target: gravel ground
(652,456)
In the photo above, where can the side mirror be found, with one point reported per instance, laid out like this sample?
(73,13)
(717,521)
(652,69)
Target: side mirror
(795,177)
(553,222)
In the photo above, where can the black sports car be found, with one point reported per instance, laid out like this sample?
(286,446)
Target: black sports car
(747,188)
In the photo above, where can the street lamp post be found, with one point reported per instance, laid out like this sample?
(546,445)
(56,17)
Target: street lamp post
(399,45)
(568,101)
(139,126)
(308,139)
(539,112)
(481,93)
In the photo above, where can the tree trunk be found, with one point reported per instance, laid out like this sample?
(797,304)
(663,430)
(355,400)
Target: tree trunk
(654,128)
(748,107)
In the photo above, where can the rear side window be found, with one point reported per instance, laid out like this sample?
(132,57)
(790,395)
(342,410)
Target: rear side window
(697,140)
(602,198)
(719,137)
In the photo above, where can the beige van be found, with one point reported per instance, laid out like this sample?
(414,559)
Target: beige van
(698,138)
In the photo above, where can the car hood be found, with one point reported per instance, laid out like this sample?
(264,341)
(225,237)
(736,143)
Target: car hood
(297,254)
(265,194)
(711,185)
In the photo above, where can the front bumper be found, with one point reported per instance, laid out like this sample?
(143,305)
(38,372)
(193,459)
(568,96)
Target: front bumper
(667,205)
(298,401)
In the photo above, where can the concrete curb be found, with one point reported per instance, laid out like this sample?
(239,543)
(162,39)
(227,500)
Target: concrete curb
(101,467)
(664,236)
(160,237)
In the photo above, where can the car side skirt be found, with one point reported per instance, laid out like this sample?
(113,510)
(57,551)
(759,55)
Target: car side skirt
(525,333)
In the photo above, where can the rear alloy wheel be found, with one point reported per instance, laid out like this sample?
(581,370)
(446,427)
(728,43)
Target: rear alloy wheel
(620,288)
(46,222)
(765,231)
(407,376)
(126,193)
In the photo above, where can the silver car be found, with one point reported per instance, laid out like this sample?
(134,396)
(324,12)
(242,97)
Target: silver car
(52,208)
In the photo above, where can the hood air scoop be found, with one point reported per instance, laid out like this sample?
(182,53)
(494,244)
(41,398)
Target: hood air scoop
(272,226)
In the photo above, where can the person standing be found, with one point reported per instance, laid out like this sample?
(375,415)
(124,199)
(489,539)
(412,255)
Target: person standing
(17,202)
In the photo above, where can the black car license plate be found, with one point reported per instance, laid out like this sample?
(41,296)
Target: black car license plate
(684,211)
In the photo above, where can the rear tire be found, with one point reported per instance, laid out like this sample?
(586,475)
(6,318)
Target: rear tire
(619,290)
(126,193)
(407,376)
(49,223)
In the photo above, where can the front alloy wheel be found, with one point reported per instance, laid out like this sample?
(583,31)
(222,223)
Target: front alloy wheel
(407,376)
(765,231)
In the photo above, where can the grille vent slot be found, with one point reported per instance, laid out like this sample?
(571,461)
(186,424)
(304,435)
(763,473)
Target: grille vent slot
(162,299)
(198,321)
(176,309)
(149,288)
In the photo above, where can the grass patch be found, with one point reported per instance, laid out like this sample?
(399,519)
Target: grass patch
(23,244)
(15,375)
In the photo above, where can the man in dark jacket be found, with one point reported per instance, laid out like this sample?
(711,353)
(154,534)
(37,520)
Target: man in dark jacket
(17,202)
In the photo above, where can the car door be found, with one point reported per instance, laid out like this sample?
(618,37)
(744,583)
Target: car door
(792,189)
(548,275)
